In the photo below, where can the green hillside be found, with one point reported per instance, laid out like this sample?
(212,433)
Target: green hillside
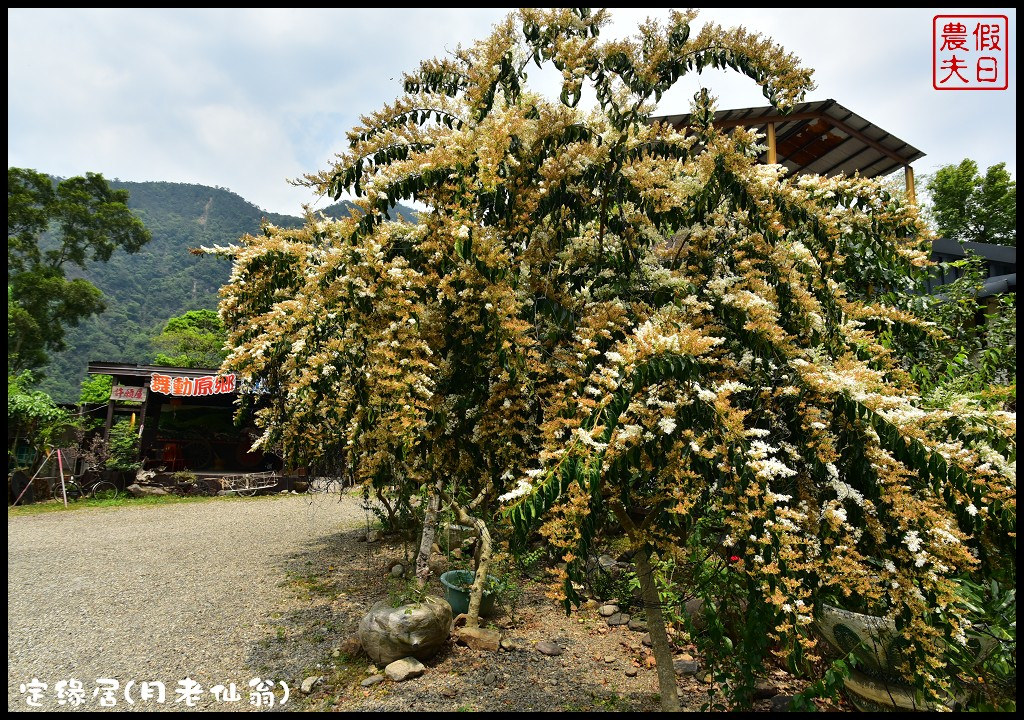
(144,290)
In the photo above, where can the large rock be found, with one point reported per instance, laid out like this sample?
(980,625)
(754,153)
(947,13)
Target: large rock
(145,490)
(418,630)
(404,669)
(782,703)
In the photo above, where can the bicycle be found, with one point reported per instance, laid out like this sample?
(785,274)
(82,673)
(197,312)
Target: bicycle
(85,487)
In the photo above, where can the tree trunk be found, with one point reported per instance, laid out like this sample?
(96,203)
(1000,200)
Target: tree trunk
(427,537)
(476,592)
(652,606)
(390,522)
(659,638)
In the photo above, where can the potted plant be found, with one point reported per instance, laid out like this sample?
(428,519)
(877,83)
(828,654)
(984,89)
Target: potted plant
(457,585)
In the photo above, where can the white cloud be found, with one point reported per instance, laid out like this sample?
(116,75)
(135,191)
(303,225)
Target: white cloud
(248,98)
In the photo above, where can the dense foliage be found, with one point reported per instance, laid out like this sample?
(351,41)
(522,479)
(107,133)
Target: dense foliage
(616,326)
(971,207)
(52,225)
(34,422)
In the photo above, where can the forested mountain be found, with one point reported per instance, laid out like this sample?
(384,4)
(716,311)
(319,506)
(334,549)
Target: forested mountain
(163,280)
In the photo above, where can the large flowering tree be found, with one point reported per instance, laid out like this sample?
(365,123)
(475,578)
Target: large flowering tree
(602,322)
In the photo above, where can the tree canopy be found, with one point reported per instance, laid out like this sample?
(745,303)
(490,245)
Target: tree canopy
(604,324)
(969,206)
(195,339)
(50,225)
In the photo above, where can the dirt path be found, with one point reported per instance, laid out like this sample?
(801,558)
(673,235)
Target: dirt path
(156,593)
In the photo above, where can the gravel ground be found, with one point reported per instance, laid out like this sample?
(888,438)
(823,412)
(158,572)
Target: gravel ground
(156,593)
(224,591)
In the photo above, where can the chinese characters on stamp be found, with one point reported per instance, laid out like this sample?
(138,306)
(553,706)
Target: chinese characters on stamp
(970,52)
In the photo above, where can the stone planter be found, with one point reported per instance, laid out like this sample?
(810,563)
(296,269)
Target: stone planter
(874,686)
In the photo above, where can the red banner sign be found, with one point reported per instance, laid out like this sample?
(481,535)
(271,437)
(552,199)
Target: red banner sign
(193,386)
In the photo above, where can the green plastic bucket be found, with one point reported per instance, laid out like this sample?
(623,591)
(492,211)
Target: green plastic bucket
(456,591)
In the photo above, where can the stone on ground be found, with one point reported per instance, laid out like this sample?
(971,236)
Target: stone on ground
(546,647)
(478,638)
(405,669)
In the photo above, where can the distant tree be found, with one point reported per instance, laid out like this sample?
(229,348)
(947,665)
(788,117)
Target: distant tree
(96,390)
(48,226)
(970,207)
(195,339)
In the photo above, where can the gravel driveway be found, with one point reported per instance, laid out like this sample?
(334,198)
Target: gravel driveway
(155,593)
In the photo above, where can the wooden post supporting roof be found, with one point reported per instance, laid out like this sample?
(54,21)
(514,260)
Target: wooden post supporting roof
(772,156)
(908,174)
(110,419)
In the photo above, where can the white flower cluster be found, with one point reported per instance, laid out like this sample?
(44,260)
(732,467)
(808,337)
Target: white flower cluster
(522,488)
(843,491)
(667,425)
(912,541)
(704,394)
(944,535)
(771,468)
(747,300)
(584,437)
(730,386)
(720,284)
(626,433)
(760,449)
(834,512)
(773,498)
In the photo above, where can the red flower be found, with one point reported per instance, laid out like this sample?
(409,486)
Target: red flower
(734,558)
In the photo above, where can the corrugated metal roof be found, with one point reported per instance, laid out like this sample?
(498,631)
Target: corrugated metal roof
(820,137)
(135,370)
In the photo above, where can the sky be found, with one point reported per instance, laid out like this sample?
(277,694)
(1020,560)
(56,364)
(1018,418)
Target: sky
(248,99)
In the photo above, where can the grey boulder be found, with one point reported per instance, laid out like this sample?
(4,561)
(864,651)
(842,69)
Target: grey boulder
(418,630)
